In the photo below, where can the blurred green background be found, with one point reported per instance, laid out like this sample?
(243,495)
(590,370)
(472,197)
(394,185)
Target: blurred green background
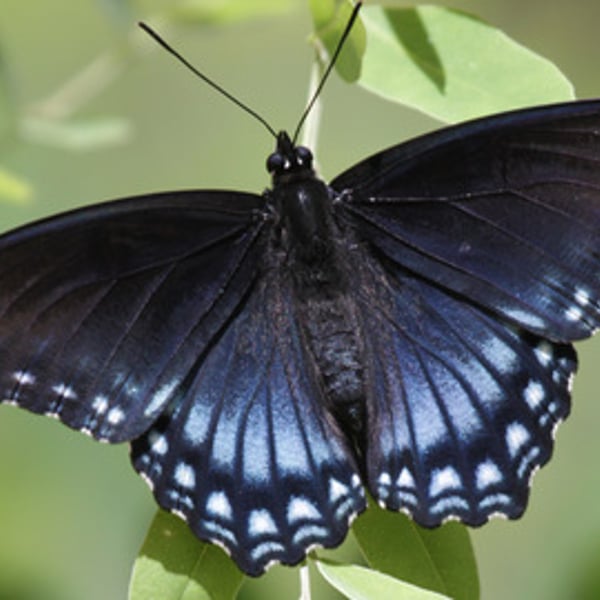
(72,512)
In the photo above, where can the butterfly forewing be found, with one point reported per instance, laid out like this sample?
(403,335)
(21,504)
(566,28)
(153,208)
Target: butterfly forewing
(103,311)
(504,211)
(248,453)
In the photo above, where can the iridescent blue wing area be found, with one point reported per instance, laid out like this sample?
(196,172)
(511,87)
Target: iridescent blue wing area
(461,407)
(103,311)
(504,211)
(483,253)
(247,452)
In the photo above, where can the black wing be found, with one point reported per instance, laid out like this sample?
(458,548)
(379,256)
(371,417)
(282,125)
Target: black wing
(504,211)
(247,453)
(461,407)
(103,311)
(482,258)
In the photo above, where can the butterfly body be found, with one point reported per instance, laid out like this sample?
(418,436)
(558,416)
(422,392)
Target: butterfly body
(315,257)
(406,328)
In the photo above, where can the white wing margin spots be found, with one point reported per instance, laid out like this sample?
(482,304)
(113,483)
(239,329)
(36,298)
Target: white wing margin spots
(274,475)
(462,408)
(125,298)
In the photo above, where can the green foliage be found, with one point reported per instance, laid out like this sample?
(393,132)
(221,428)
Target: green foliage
(330,18)
(359,583)
(441,559)
(451,65)
(174,565)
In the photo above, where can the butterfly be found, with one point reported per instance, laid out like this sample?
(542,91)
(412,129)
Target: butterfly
(406,329)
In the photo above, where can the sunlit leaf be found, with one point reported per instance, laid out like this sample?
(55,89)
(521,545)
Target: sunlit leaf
(452,65)
(174,565)
(360,583)
(440,559)
(330,18)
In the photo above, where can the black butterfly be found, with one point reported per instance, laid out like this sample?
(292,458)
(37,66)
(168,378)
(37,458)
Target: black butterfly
(406,327)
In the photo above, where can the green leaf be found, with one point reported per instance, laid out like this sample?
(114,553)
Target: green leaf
(330,18)
(14,188)
(451,65)
(225,11)
(439,559)
(174,565)
(360,583)
(80,134)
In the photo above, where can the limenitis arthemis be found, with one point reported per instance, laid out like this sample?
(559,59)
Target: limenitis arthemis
(407,327)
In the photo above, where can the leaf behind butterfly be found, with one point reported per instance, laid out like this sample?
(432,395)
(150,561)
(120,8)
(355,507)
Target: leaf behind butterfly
(452,65)
(441,559)
(174,565)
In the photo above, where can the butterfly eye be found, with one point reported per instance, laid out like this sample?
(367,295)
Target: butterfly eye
(304,156)
(275,162)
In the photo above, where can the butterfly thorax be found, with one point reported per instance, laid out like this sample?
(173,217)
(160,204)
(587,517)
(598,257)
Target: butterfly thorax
(311,248)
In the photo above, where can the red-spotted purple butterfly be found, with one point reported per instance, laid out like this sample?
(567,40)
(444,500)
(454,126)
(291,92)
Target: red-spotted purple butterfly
(406,328)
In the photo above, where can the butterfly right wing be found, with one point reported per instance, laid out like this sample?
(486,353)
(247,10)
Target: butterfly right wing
(105,309)
(247,452)
(504,211)
(462,408)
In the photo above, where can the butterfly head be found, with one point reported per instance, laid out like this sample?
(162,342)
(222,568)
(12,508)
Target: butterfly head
(289,162)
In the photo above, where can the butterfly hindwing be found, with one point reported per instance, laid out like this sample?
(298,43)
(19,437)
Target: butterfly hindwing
(504,211)
(461,407)
(104,309)
(247,452)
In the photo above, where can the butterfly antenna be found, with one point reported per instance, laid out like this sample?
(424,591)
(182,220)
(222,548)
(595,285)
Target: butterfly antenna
(328,70)
(205,78)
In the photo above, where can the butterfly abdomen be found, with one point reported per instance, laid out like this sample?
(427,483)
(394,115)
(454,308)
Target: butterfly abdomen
(331,331)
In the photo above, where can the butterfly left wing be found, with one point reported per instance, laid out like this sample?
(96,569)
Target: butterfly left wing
(461,407)
(104,310)
(247,452)
(503,211)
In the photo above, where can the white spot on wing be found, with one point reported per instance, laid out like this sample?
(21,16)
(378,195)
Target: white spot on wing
(573,313)
(302,509)
(384,479)
(582,297)
(64,391)
(534,394)
(310,532)
(443,480)
(100,404)
(160,397)
(218,505)
(266,548)
(115,415)
(544,353)
(516,437)
(487,474)
(337,490)
(185,476)
(158,443)
(261,522)
(405,479)
(23,378)
(383,485)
